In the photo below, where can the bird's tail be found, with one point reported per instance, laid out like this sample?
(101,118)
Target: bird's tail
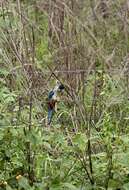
(50,114)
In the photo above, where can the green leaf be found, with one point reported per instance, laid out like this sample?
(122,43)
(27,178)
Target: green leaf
(80,141)
(114,184)
(1,135)
(4,71)
(8,187)
(23,183)
(126,186)
(47,145)
(69,186)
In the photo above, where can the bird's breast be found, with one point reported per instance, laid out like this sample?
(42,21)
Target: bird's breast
(51,104)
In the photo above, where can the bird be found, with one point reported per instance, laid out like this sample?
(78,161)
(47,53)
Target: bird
(53,99)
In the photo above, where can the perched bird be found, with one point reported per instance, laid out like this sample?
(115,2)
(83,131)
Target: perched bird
(52,100)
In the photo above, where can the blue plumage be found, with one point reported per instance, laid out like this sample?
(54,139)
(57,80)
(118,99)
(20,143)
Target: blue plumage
(50,95)
(50,114)
(52,99)
(51,106)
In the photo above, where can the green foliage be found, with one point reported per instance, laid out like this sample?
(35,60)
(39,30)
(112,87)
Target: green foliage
(34,156)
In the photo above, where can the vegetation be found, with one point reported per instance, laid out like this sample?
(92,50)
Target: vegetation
(84,44)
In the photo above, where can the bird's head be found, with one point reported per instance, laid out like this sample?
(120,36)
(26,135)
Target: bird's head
(59,86)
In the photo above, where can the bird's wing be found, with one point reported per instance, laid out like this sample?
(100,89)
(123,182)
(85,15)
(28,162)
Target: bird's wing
(50,95)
